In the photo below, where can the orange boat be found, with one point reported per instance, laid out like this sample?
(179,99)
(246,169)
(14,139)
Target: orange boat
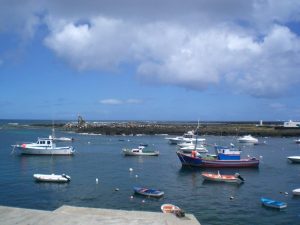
(236,178)
(169,208)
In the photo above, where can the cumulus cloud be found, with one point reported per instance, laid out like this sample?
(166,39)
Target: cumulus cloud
(244,46)
(112,101)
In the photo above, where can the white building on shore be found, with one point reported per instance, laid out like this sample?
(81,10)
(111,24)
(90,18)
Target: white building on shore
(292,124)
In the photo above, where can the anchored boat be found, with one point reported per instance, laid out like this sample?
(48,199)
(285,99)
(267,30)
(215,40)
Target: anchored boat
(148,192)
(294,159)
(44,146)
(272,203)
(236,178)
(52,178)
(140,151)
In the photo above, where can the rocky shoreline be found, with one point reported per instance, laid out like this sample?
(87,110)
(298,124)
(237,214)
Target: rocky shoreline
(136,128)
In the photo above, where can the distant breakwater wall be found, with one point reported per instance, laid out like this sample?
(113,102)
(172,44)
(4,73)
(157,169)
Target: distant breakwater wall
(134,128)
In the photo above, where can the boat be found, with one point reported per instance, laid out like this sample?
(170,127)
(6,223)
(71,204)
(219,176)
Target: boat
(294,159)
(186,137)
(236,178)
(189,149)
(297,141)
(210,161)
(62,139)
(248,139)
(296,191)
(52,178)
(44,146)
(148,192)
(139,152)
(272,203)
(169,208)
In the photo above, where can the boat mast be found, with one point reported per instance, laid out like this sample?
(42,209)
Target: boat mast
(196,136)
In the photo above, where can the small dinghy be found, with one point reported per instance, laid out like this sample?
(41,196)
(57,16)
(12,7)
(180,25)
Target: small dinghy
(52,178)
(236,178)
(148,192)
(296,191)
(294,159)
(169,208)
(272,203)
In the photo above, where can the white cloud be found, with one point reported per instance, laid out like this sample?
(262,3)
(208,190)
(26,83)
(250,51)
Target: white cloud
(113,101)
(244,46)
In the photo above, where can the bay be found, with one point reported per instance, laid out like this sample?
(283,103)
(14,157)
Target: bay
(100,157)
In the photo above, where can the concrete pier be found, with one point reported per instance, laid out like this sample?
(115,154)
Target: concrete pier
(90,216)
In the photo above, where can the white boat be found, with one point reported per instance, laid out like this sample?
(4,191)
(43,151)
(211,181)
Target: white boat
(52,178)
(140,151)
(189,149)
(67,139)
(187,137)
(44,146)
(248,139)
(297,141)
(294,159)
(296,191)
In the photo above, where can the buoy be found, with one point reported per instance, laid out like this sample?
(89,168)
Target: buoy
(89,142)
(261,156)
(117,189)
(286,193)
(143,201)
(131,197)
(231,197)
(136,176)
(130,169)
(96,180)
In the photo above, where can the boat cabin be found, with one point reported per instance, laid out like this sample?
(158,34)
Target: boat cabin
(46,142)
(225,153)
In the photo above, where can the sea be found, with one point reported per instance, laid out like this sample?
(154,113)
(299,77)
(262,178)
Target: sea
(100,157)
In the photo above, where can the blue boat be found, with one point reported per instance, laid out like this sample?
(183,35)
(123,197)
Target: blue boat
(148,192)
(272,203)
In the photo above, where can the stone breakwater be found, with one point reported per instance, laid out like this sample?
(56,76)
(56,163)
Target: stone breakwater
(135,128)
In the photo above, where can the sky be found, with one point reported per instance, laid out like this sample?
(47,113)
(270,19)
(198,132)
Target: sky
(213,60)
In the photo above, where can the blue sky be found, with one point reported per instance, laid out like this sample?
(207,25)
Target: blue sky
(150,60)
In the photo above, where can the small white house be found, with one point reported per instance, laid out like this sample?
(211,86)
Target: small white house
(291,124)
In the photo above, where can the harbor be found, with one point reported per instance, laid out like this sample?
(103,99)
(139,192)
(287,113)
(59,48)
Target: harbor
(102,177)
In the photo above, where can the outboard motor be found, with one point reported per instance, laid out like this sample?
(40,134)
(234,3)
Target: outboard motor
(237,175)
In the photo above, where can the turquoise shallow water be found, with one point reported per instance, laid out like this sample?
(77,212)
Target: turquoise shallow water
(100,157)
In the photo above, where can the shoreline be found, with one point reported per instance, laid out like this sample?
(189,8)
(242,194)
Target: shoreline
(218,129)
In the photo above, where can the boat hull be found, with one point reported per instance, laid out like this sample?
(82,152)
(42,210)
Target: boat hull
(169,208)
(47,151)
(273,204)
(187,160)
(148,192)
(150,153)
(51,178)
(221,178)
(294,159)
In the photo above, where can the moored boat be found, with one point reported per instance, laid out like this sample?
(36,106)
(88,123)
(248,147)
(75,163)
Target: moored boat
(236,178)
(44,146)
(210,161)
(272,203)
(169,208)
(189,149)
(296,191)
(297,141)
(52,178)
(148,192)
(248,139)
(140,151)
(294,159)
(187,137)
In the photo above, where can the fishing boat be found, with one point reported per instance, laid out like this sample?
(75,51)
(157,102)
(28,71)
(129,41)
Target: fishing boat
(294,159)
(169,208)
(44,146)
(139,152)
(248,139)
(52,178)
(187,159)
(296,191)
(236,178)
(148,192)
(272,203)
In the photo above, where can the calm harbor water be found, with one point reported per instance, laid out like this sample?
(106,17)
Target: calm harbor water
(100,157)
